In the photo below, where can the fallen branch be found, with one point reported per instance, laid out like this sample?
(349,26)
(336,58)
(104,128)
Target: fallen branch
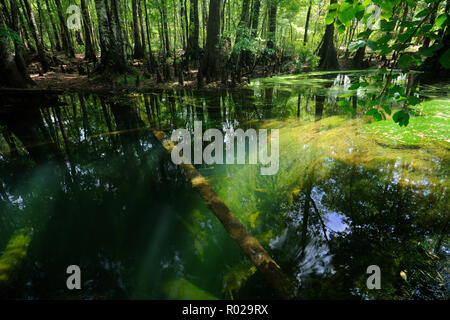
(249,244)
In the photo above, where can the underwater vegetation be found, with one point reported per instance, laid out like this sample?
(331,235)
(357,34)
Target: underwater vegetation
(99,190)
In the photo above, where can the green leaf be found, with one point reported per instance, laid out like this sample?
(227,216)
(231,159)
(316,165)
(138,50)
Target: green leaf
(333,6)
(364,84)
(397,115)
(445,59)
(343,103)
(396,89)
(356,45)
(365,34)
(440,21)
(387,109)
(387,26)
(405,61)
(405,120)
(377,116)
(372,45)
(359,12)
(372,103)
(354,86)
(346,13)
(401,117)
(423,13)
(413,100)
(330,17)
(428,52)
(371,112)
(426,27)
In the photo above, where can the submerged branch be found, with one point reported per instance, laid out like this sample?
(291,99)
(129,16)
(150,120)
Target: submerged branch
(249,244)
(324,227)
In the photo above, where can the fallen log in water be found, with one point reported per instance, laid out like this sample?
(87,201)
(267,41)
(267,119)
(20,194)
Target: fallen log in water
(249,244)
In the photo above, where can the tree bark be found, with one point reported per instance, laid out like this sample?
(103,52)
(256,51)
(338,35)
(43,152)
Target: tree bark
(255,17)
(327,52)
(308,16)
(90,52)
(67,41)
(35,33)
(138,48)
(273,8)
(58,46)
(112,52)
(210,63)
(194,29)
(19,56)
(141,23)
(8,65)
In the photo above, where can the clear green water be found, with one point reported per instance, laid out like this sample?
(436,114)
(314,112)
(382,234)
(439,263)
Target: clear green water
(88,184)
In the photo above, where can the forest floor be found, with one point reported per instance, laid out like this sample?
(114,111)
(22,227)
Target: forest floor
(70,76)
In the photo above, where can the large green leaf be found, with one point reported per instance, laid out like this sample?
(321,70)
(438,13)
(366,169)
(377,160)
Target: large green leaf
(405,61)
(356,45)
(445,59)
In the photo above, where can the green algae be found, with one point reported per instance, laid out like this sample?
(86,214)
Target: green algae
(181,289)
(430,124)
(13,256)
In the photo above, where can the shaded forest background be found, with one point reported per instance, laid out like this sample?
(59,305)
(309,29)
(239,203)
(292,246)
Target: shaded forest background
(217,41)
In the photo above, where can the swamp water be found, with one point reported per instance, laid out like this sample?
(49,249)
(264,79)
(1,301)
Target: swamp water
(87,183)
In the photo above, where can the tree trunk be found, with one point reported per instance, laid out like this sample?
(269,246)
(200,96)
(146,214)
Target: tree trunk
(358,59)
(153,63)
(327,52)
(138,48)
(90,52)
(67,41)
(8,66)
(112,56)
(308,16)
(165,29)
(194,28)
(238,57)
(433,70)
(255,17)
(141,23)
(272,24)
(119,32)
(58,46)
(19,56)
(210,63)
(35,34)
(182,24)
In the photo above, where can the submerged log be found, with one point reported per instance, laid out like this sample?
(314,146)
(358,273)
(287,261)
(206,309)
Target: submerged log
(249,244)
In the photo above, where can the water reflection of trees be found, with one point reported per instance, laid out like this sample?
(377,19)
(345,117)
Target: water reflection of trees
(80,171)
(96,156)
(388,222)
